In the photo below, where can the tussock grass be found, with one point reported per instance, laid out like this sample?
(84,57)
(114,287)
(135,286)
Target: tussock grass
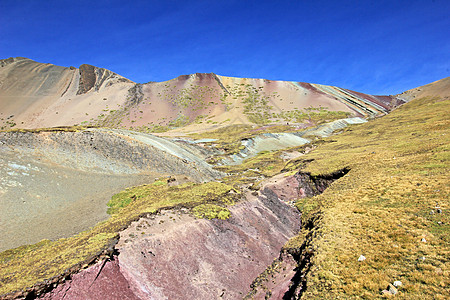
(228,137)
(383,208)
(25,266)
(313,115)
(266,164)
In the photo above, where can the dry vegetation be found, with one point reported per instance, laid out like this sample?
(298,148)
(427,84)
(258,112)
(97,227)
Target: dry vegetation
(257,108)
(385,209)
(229,138)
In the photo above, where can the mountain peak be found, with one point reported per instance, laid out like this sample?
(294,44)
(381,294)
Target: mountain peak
(10,60)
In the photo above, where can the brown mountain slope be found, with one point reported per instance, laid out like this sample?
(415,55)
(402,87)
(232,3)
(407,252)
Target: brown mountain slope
(440,88)
(36,95)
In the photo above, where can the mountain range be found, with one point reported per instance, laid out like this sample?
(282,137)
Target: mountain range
(37,95)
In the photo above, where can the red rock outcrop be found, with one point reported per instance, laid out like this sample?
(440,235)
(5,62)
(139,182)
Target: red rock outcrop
(101,281)
(174,256)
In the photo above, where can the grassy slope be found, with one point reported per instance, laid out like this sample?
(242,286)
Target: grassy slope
(381,209)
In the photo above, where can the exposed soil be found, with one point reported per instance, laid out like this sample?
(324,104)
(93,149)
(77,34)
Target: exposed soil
(47,201)
(174,256)
(44,95)
(286,277)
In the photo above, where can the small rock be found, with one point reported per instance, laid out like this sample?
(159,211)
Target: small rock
(362,258)
(423,240)
(432,212)
(397,283)
(439,211)
(392,289)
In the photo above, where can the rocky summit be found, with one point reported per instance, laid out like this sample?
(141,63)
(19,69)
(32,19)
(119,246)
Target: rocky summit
(214,187)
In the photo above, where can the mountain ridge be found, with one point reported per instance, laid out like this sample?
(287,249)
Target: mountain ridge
(34,95)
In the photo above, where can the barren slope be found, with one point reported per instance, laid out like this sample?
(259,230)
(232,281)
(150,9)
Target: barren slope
(175,256)
(34,95)
(440,88)
(57,184)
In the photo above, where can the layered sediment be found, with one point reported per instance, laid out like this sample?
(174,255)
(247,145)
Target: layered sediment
(174,256)
(35,95)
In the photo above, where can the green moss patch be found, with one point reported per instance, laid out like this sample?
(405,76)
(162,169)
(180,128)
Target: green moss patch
(211,211)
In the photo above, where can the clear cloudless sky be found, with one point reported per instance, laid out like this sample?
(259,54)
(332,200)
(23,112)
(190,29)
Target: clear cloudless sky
(377,47)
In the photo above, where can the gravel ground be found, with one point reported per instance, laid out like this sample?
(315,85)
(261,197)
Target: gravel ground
(44,201)
(57,184)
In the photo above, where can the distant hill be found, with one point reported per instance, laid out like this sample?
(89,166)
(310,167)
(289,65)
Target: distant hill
(440,88)
(34,95)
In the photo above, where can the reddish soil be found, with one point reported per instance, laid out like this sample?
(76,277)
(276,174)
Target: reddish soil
(174,256)
(101,281)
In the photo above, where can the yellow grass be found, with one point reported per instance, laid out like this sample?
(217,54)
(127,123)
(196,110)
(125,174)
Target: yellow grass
(50,129)
(383,208)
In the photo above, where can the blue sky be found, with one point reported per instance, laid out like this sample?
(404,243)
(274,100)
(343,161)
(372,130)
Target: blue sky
(378,47)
